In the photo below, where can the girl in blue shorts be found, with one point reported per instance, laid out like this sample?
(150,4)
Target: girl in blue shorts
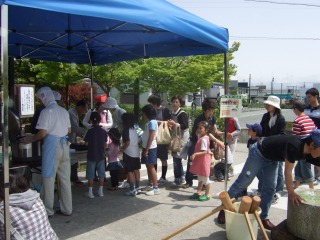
(96,138)
(149,148)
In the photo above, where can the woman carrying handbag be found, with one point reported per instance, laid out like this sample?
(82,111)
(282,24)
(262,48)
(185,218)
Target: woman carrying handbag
(179,119)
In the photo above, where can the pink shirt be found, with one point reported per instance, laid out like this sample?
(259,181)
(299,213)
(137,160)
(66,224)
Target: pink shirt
(113,152)
(201,164)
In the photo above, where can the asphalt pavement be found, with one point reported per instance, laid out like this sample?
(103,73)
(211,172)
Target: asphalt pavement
(116,216)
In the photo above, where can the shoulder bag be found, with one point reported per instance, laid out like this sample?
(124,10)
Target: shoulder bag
(163,136)
(175,144)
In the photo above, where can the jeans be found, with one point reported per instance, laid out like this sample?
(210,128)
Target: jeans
(189,175)
(303,171)
(177,168)
(280,179)
(253,165)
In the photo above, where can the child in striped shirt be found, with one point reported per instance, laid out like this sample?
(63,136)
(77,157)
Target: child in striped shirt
(302,126)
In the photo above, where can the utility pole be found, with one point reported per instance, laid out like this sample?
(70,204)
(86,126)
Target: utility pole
(249,89)
(272,85)
(281,95)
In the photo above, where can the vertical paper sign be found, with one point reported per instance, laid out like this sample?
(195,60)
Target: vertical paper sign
(26,101)
(230,106)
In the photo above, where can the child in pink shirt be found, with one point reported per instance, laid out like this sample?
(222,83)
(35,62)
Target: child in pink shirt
(201,160)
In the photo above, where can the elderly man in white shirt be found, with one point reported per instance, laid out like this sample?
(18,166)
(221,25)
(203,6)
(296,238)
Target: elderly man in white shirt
(54,125)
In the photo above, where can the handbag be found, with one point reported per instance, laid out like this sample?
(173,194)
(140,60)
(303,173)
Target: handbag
(175,144)
(163,136)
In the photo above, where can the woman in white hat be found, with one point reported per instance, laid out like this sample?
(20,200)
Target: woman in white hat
(273,123)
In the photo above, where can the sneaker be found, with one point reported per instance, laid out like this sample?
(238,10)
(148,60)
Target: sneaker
(131,193)
(162,181)
(219,180)
(257,193)
(89,195)
(138,190)
(124,184)
(185,185)
(152,192)
(100,193)
(276,198)
(315,182)
(204,198)
(177,181)
(148,188)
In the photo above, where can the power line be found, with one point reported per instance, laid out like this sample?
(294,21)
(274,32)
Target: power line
(284,3)
(276,38)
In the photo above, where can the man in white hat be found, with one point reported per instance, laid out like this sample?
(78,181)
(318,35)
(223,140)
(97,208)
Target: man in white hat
(54,125)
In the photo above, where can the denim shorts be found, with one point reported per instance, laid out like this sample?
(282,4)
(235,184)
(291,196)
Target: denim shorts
(151,158)
(92,166)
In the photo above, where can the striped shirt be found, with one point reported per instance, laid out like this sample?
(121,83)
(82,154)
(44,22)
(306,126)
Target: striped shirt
(303,125)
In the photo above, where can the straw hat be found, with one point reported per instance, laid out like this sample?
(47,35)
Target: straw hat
(273,101)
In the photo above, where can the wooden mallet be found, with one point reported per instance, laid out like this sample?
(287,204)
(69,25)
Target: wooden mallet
(226,202)
(217,209)
(244,208)
(254,210)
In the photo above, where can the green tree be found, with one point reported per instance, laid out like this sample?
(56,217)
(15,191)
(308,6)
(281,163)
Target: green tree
(172,75)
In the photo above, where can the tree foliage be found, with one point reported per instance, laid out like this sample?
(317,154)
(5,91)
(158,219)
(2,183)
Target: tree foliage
(172,75)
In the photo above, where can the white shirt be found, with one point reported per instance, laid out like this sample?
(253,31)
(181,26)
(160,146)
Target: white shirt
(133,149)
(55,120)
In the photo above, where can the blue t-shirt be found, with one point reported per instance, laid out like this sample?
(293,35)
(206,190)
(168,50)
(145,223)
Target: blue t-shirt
(96,138)
(151,125)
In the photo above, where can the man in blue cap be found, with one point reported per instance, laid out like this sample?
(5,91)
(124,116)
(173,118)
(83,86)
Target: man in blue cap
(265,155)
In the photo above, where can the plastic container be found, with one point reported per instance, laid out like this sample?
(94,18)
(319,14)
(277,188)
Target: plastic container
(236,225)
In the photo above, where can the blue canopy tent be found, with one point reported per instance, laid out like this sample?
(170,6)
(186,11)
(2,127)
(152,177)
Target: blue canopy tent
(98,32)
(112,30)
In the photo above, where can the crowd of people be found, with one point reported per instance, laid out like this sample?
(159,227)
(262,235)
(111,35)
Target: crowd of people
(110,135)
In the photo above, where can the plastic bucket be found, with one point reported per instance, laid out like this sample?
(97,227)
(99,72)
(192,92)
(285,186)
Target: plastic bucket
(236,225)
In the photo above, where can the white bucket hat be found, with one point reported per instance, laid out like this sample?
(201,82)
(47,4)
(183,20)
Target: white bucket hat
(273,101)
(110,103)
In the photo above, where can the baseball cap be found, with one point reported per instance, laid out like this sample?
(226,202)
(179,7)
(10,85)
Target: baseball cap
(256,128)
(315,136)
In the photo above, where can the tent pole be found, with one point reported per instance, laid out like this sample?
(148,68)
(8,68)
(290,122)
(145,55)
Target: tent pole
(90,55)
(225,121)
(5,99)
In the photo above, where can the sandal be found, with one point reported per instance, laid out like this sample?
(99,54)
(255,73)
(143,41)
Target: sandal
(195,196)
(204,198)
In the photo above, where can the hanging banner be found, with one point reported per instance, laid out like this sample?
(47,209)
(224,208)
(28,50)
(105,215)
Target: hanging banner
(230,106)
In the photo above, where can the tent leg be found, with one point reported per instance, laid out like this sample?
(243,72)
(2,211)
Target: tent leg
(5,99)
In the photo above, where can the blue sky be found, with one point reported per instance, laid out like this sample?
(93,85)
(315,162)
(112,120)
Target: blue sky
(280,41)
